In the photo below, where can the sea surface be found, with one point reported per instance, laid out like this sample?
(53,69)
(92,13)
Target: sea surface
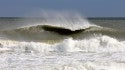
(62,43)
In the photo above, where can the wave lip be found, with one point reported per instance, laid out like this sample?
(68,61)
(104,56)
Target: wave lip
(61,30)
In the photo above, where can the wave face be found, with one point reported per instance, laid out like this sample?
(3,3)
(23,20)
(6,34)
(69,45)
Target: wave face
(61,43)
(50,32)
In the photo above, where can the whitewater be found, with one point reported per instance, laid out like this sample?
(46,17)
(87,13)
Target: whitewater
(42,46)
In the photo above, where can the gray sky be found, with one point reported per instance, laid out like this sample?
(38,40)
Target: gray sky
(89,8)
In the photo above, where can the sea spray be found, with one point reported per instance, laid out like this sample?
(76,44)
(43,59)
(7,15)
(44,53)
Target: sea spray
(71,20)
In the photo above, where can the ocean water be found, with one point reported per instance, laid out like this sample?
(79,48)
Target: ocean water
(62,43)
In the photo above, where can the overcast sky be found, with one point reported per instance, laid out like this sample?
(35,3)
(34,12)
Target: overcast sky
(89,8)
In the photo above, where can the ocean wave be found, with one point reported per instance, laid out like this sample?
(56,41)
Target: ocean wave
(61,42)
(50,32)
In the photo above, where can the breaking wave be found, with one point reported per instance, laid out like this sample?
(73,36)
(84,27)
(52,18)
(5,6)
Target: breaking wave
(49,32)
(96,44)
(62,43)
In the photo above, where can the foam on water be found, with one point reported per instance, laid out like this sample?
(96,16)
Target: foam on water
(95,44)
(96,53)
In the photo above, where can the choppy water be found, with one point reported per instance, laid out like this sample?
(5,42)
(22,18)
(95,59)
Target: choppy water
(26,45)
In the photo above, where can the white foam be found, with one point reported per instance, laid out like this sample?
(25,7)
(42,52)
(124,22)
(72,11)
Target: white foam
(96,53)
(95,44)
(101,44)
